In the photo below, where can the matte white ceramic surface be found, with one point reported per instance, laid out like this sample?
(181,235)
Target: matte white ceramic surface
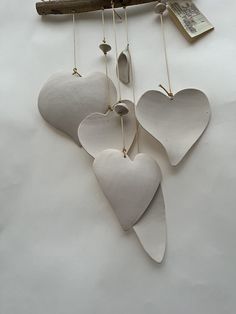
(124,66)
(61,250)
(98,131)
(176,123)
(66,99)
(128,185)
(151,229)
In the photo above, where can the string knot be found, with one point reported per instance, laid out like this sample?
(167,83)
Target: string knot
(75,72)
(124,152)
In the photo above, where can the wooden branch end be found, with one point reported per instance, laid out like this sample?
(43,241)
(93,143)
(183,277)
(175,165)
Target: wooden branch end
(80,6)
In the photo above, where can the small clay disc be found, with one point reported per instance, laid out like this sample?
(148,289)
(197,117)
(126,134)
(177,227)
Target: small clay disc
(121,109)
(105,47)
(160,8)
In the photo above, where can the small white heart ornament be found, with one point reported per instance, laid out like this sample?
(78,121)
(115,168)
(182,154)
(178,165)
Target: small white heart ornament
(176,123)
(128,185)
(98,131)
(66,99)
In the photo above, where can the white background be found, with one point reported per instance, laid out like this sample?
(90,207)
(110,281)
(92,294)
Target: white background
(62,250)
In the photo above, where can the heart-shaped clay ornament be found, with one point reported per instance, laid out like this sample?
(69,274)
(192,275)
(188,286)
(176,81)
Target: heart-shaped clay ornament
(98,131)
(66,99)
(176,123)
(128,185)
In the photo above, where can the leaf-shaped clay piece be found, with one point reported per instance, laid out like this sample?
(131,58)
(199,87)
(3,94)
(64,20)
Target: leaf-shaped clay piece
(151,228)
(124,66)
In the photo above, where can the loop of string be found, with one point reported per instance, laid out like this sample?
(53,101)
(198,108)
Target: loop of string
(116,48)
(123,136)
(128,48)
(132,77)
(103,26)
(166,58)
(75,70)
(118,80)
(106,61)
(126,27)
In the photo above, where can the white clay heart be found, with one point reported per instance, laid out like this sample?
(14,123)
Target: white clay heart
(98,131)
(176,124)
(128,185)
(66,99)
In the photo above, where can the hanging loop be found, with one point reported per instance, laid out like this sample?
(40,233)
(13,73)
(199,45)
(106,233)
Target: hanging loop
(105,49)
(116,13)
(75,72)
(124,151)
(116,47)
(160,9)
(170,94)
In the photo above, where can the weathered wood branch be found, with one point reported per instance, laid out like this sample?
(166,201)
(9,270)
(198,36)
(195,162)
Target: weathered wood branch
(79,6)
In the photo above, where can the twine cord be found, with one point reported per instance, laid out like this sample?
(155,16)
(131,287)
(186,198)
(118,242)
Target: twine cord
(116,48)
(106,62)
(123,136)
(169,92)
(132,77)
(75,70)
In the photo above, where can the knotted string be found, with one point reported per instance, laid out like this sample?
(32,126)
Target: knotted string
(106,61)
(116,48)
(118,81)
(169,92)
(132,76)
(123,136)
(75,70)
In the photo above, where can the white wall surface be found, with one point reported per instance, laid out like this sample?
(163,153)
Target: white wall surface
(61,249)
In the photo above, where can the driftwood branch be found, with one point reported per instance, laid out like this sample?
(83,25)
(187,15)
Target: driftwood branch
(79,6)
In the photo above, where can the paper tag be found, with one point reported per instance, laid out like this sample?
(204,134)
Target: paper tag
(188,18)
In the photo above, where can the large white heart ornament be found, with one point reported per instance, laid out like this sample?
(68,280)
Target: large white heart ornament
(66,99)
(98,131)
(128,185)
(176,124)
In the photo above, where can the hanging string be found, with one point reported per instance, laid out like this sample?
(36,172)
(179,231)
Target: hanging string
(103,26)
(126,27)
(75,70)
(132,77)
(106,61)
(116,48)
(166,58)
(118,80)
(74,41)
(128,48)
(123,136)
